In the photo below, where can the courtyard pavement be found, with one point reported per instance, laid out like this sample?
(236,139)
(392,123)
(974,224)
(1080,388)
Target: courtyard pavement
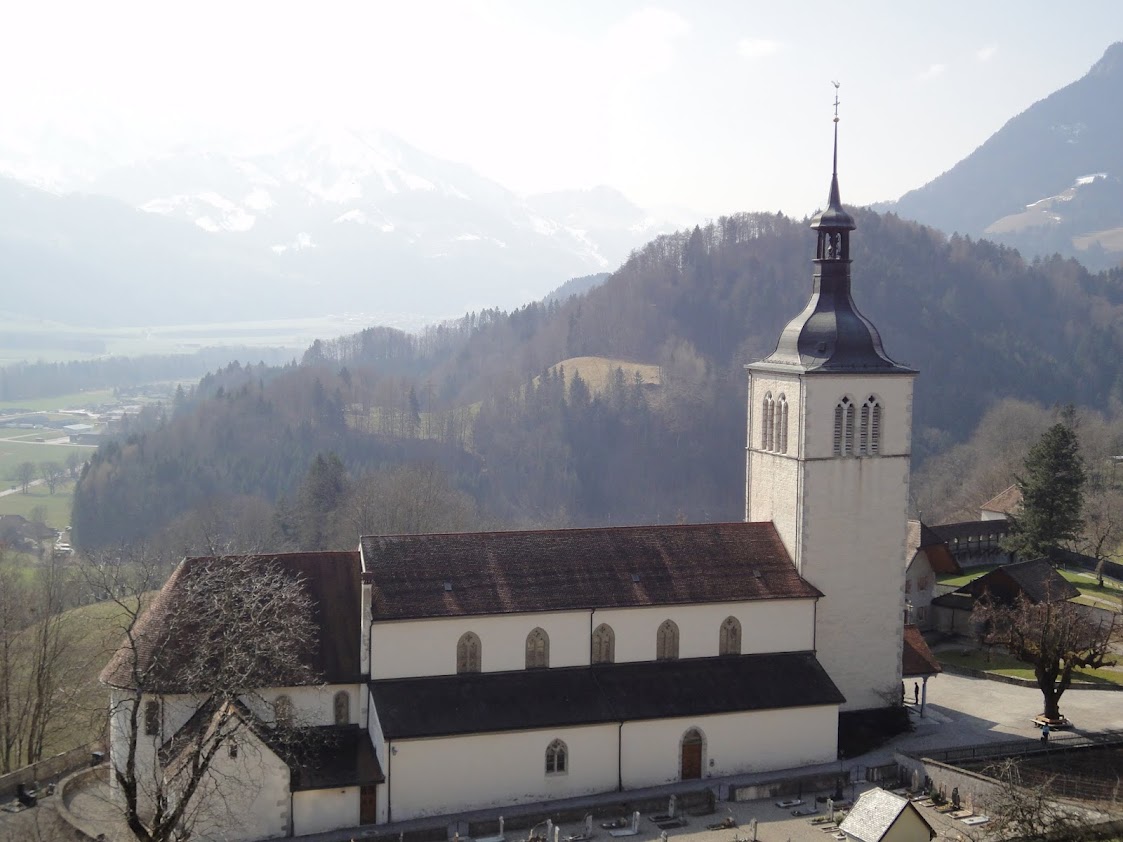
(960,711)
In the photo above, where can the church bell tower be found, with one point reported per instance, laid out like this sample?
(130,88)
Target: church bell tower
(829,440)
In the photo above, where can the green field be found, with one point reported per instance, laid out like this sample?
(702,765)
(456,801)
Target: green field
(77,400)
(1002,664)
(17,450)
(57,505)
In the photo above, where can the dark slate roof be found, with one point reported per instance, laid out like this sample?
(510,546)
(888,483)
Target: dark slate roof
(549,570)
(875,813)
(1036,578)
(916,658)
(333,583)
(971,529)
(335,756)
(553,698)
(956,599)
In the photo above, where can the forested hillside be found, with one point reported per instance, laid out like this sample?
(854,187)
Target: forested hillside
(510,438)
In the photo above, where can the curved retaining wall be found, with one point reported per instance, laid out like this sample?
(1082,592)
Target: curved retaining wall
(82,830)
(1020,682)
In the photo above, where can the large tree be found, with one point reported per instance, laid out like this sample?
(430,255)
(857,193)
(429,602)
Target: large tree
(1052,487)
(1054,637)
(220,630)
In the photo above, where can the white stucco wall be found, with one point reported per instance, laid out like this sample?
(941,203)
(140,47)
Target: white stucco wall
(843,520)
(312,706)
(428,647)
(755,741)
(853,537)
(783,625)
(244,797)
(408,648)
(447,775)
(321,810)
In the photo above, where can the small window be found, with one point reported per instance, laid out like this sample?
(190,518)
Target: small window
(282,710)
(557,758)
(537,650)
(766,422)
(870,432)
(152,718)
(782,435)
(844,428)
(342,706)
(604,645)
(730,637)
(666,641)
(468,653)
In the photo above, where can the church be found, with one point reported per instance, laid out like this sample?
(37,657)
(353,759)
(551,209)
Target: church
(463,671)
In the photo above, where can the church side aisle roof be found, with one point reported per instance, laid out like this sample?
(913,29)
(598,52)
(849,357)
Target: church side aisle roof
(546,698)
(414,576)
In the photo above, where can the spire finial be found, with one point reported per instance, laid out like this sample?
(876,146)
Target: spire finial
(835,169)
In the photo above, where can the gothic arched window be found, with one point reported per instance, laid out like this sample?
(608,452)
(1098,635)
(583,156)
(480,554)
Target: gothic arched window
(729,642)
(767,422)
(666,641)
(342,708)
(844,428)
(557,758)
(604,645)
(537,649)
(870,427)
(468,653)
(782,424)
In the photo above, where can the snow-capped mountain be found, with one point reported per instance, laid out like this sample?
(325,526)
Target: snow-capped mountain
(358,221)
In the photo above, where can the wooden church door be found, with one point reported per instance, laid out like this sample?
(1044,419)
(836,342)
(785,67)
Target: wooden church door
(691,755)
(368,804)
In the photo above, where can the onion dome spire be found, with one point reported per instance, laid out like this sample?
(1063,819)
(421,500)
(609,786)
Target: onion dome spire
(830,335)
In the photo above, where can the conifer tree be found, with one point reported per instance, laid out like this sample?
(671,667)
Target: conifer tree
(1052,490)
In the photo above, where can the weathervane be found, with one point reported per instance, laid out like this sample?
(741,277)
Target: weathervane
(836,84)
(835,165)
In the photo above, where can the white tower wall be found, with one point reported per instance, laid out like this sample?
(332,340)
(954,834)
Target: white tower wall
(842,518)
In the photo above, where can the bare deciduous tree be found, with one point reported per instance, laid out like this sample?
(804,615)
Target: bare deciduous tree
(52,473)
(35,669)
(220,630)
(1054,637)
(1029,809)
(25,473)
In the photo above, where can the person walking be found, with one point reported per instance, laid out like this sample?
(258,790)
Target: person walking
(1045,734)
(916,693)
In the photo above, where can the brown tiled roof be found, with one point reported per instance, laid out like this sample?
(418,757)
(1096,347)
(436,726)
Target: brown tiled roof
(559,697)
(515,572)
(916,658)
(1006,501)
(333,584)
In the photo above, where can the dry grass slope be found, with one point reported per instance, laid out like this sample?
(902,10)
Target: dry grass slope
(598,372)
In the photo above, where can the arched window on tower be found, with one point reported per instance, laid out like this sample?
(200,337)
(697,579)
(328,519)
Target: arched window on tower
(729,641)
(766,422)
(537,650)
(870,427)
(604,645)
(782,424)
(844,428)
(468,653)
(666,642)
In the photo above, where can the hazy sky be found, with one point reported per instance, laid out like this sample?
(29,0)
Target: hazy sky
(714,106)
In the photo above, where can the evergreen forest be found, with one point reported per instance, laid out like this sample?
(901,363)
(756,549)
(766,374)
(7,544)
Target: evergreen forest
(550,416)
